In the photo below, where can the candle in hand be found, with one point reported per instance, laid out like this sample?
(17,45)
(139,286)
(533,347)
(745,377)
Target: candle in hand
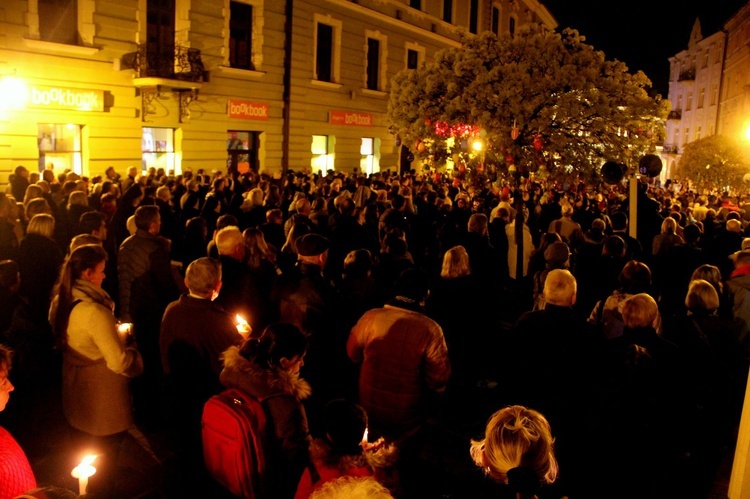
(242,326)
(82,472)
(124,329)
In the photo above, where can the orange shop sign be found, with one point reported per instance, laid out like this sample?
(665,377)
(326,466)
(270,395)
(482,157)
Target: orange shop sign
(350,119)
(247,110)
(73,99)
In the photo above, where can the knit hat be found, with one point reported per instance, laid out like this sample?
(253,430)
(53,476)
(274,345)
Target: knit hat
(557,253)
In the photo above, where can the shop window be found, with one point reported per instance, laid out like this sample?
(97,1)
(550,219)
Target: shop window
(370,151)
(158,149)
(242,151)
(241,35)
(60,147)
(322,153)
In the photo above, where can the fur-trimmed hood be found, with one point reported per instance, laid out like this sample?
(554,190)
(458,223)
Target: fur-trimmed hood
(260,381)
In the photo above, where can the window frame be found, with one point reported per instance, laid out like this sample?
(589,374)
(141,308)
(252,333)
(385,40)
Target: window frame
(381,58)
(336,26)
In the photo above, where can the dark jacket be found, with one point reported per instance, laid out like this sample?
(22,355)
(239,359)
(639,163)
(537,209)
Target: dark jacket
(144,273)
(39,263)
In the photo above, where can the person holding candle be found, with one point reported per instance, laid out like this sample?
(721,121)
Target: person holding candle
(267,367)
(97,365)
(16,475)
(195,330)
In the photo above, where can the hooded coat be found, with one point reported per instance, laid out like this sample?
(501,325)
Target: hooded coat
(281,393)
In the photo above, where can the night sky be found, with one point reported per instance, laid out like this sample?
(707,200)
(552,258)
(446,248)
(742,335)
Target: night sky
(642,33)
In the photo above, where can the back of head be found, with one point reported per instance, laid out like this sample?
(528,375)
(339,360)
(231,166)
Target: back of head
(145,216)
(413,284)
(358,262)
(455,263)
(517,449)
(42,224)
(614,245)
(639,310)
(345,424)
(691,233)
(202,276)
(91,221)
(227,239)
(278,340)
(619,220)
(350,487)
(635,277)
(560,288)
(701,295)
(478,223)
(226,220)
(82,239)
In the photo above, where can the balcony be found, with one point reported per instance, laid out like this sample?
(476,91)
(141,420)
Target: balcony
(175,68)
(687,75)
(675,114)
(176,64)
(670,149)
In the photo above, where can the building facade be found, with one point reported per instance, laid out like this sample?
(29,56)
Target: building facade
(709,87)
(219,84)
(694,86)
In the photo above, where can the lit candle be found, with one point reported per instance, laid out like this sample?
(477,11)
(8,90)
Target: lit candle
(242,326)
(82,472)
(364,437)
(124,329)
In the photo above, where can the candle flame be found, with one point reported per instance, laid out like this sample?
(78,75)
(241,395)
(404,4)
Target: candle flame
(364,436)
(84,470)
(88,460)
(240,320)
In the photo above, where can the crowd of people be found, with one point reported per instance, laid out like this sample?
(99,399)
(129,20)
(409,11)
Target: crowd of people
(346,302)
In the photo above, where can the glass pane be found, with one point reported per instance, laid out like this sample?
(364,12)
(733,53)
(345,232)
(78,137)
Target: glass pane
(366,147)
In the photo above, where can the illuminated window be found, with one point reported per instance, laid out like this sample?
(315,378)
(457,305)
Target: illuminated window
(158,151)
(370,151)
(242,151)
(60,147)
(322,153)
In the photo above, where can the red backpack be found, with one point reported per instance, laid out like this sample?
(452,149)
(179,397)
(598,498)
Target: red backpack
(234,442)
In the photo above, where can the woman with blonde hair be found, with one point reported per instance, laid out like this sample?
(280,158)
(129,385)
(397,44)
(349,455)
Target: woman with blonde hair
(39,261)
(517,450)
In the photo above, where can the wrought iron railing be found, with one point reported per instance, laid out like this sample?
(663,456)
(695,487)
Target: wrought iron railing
(173,63)
(669,149)
(675,114)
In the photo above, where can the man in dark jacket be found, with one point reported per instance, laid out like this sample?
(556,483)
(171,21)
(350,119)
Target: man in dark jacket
(239,293)
(147,285)
(195,331)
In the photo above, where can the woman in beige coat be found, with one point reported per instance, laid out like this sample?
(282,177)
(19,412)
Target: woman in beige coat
(97,363)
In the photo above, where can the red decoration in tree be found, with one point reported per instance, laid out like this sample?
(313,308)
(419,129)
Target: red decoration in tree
(538,143)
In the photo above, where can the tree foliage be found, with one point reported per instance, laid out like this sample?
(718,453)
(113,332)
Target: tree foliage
(715,161)
(573,109)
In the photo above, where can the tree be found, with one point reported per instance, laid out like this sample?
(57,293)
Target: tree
(573,109)
(715,161)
